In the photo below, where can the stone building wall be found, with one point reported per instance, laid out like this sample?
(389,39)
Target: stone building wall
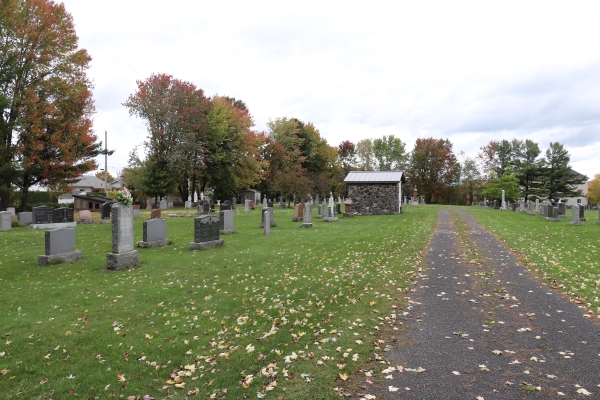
(374,198)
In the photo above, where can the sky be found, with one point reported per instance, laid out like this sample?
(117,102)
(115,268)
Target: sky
(470,72)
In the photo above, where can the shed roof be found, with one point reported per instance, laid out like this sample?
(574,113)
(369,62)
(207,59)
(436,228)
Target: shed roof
(375,177)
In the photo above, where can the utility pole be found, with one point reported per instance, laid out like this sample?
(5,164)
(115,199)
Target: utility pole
(105,163)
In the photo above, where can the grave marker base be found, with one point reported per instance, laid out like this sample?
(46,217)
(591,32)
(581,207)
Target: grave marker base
(56,258)
(307,225)
(154,243)
(330,219)
(209,244)
(55,226)
(102,221)
(117,261)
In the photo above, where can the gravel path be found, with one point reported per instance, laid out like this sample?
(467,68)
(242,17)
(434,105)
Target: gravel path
(490,330)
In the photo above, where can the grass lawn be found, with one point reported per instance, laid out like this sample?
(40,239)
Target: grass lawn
(564,256)
(291,315)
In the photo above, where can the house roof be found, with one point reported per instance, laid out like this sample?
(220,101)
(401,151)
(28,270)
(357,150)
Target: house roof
(375,177)
(88,181)
(94,197)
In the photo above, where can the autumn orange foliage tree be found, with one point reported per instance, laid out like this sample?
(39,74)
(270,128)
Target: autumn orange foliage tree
(45,99)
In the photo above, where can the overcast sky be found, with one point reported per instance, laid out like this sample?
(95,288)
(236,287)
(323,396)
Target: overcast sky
(467,71)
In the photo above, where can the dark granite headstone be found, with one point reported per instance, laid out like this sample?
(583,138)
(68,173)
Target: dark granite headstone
(43,215)
(206,232)
(105,211)
(63,214)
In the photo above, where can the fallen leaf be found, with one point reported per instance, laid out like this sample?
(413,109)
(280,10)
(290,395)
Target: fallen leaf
(343,376)
(393,388)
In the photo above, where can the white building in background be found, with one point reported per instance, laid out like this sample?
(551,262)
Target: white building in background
(583,199)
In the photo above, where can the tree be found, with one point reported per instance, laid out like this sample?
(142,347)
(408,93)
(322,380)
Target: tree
(45,99)
(559,179)
(507,182)
(594,190)
(364,155)
(528,169)
(176,115)
(109,177)
(434,169)
(346,156)
(471,179)
(390,153)
(497,156)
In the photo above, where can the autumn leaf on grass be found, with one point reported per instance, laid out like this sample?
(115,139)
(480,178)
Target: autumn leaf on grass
(43,380)
(121,377)
(343,376)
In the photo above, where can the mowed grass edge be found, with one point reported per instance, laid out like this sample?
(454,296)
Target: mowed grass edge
(562,255)
(294,314)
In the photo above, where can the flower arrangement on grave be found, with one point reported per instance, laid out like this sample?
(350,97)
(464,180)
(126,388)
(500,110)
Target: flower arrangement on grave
(124,197)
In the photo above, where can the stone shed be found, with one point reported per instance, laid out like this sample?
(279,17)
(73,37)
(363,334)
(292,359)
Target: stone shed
(375,192)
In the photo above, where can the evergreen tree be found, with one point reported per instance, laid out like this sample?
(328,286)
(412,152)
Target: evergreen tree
(559,179)
(528,169)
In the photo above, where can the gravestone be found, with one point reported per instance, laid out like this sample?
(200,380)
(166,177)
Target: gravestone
(136,211)
(188,204)
(514,206)
(155,233)
(537,205)
(224,206)
(206,232)
(164,205)
(553,215)
(544,210)
(562,210)
(148,204)
(234,204)
(307,223)
(281,203)
(330,212)
(60,246)
(5,221)
(170,204)
(43,215)
(298,213)
(63,214)
(155,214)
(338,208)
(267,223)
(226,221)
(531,208)
(26,217)
(123,254)
(503,206)
(348,211)
(85,217)
(320,211)
(582,213)
(105,213)
(251,204)
(11,210)
(246,205)
(575,216)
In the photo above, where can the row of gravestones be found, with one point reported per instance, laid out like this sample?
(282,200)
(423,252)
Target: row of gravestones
(60,244)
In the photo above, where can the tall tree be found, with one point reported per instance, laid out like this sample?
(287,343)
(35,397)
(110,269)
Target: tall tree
(390,153)
(364,155)
(45,98)
(559,179)
(434,169)
(497,156)
(346,156)
(507,182)
(528,169)
(594,190)
(471,179)
(176,115)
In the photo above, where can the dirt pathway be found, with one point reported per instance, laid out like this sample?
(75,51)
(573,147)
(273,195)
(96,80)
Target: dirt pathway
(482,326)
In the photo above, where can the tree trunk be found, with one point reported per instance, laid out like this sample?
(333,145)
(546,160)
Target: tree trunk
(24,194)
